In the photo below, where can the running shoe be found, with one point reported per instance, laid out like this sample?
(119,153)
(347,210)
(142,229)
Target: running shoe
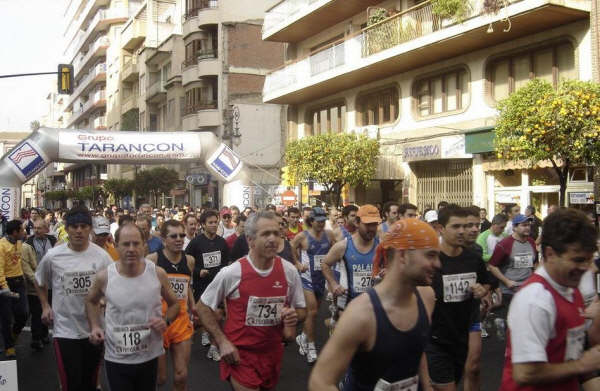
(301,341)
(311,355)
(213,353)
(205,339)
(10,354)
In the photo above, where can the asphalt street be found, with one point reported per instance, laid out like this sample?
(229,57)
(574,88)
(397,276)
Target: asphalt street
(37,370)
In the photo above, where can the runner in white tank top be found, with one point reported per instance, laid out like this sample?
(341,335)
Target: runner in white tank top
(133,288)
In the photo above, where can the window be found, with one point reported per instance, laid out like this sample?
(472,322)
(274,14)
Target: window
(442,93)
(166,72)
(378,107)
(329,118)
(553,63)
(191,52)
(200,98)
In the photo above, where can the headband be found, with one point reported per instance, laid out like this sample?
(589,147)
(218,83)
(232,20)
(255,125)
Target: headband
(79,218)
(411,234)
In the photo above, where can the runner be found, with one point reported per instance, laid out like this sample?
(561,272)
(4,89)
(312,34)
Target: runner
(293,220)
(240,223)
(309,249)
(101,236)
(132,288)
(34,250)
(152,242)
(226,225)
(510,210)
(264,302)
(190,222)
(407,211)
(390,212)
(14,309)
(382,335)
(70,269)
(491,237)
(462,279)
(349,214)
(546,337)
(306,211)
(210,254)
(357,253)
(178,337)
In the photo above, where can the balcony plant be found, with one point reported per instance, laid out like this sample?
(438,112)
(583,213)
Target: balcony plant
(451,9)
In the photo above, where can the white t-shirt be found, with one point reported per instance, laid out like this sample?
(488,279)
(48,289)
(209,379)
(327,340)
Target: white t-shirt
(226,283)
(531,319)
(70,275)
(186,241)
(113,228)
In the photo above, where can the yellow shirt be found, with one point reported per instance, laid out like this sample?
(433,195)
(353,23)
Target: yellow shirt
(112,251)
(10,260)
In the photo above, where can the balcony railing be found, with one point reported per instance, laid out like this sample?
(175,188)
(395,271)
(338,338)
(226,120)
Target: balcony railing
(100,42)
(204,4)
(82,36)
(207,54)
(94,99)
(284,11)
(208,105)
(155,88)
(83,83)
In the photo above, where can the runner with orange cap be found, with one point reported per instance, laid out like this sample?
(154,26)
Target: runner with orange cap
(356,252)
(382,335)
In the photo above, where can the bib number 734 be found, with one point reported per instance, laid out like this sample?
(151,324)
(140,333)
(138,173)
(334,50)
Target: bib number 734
(264,311)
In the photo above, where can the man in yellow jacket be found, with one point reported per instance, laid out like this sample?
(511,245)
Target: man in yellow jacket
(13,308)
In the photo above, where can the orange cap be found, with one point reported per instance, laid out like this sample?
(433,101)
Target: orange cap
(411,234)
(368,214)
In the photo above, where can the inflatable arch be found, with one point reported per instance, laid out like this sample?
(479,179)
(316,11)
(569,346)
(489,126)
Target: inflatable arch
(47,145)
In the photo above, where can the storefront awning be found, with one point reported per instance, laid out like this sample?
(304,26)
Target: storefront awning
(480,140)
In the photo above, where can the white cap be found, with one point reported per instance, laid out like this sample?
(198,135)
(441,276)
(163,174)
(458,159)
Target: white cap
(431,216)
(101,225)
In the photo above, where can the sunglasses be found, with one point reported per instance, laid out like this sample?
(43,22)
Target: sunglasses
(283,224)
(174,236)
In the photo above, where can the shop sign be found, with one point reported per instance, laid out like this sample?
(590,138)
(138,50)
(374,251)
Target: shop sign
(581,198)
(451,147)
(508,198)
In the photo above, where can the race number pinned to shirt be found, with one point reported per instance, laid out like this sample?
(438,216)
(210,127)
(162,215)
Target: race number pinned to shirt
(317,261)
(361,278)
(264,311)
(179,285)
(78,283)
(410,384)
(131,339)
(575,343)
(523,261)
(212,259)
(457,287)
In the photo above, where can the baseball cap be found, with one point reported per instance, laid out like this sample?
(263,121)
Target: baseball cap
(410,234)
(225,211)
(518,219)
(101,225)
(318,214)
(368,214)
(431,216)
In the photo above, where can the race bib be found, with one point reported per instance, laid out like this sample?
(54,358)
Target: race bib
(523,261)
(457,287)
(264,311)
(131,339)
(212,259)
(179,285)
(78,283)
(361,280)
(410,384)
(575,343)
(318,260)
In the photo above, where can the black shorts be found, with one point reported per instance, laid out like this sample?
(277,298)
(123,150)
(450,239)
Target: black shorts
(446,363)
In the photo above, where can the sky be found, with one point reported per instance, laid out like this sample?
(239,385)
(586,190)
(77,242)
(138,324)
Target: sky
(31,41)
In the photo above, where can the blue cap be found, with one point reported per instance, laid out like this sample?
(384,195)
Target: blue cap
(518,219)
(318,214)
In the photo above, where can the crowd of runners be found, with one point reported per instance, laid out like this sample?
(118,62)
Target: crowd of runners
(411,294)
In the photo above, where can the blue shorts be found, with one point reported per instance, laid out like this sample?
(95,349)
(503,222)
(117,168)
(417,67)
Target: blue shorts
(475,327)
(315,284)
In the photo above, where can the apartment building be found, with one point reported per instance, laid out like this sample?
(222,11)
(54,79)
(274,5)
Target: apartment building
(199,65)
(427,88)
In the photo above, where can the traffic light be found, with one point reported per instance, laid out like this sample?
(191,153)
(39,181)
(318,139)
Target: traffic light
(65,79)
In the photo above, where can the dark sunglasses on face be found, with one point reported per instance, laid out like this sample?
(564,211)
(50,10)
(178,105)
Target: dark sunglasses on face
(174,236)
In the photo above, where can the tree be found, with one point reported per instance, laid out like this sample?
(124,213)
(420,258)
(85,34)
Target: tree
(333,160)
(118,188)
(562,126)
(156,181)
(88,193)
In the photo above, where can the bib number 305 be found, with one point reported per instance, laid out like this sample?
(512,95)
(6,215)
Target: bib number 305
(264,311)
(78,283)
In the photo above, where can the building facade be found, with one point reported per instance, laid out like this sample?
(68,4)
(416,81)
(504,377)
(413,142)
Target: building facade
(427,88)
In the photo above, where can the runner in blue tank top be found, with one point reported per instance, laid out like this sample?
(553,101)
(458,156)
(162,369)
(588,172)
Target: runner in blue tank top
(357,253)
(309,249)
(391,214)
(379,341)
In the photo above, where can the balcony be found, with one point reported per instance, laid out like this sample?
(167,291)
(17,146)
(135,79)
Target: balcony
(91,7)
(409,40)
(129,103)
(133,34)
(206,13)
(102,19)
(295,20)
(206,114)
(130,70)
(99,122)
(208,63)
(95,50)
(96,100)
(156,92)
(96,74)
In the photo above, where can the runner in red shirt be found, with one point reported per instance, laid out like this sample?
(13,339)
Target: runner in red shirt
(264,302)
(547,335)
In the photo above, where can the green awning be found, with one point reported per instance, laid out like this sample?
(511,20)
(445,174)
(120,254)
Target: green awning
(480,140)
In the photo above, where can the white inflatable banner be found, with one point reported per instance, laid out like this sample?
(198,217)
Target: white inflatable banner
(134,146)
(8,202)
(225,162)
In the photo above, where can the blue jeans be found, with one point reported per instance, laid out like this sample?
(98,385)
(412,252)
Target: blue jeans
(13,312)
